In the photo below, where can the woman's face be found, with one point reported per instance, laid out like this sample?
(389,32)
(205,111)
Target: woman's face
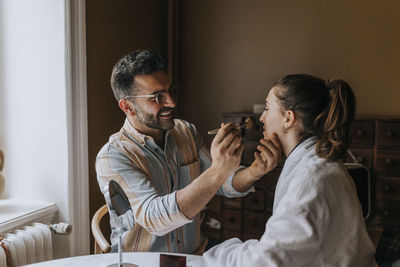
(273,116)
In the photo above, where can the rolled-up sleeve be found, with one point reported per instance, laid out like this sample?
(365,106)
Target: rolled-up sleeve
(156,214)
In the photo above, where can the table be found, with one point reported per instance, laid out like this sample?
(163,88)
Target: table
(142,259)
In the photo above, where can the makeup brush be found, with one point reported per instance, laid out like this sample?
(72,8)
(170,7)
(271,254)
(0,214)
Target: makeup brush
(247,124)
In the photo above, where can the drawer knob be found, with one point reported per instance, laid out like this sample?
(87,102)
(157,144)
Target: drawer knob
(386,188)
(386,213)
(359,133)
(388,161)
(389,133)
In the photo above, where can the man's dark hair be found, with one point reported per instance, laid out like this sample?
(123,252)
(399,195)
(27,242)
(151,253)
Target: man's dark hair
(139,62)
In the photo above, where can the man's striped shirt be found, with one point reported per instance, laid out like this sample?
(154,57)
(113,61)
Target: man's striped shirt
(150,177)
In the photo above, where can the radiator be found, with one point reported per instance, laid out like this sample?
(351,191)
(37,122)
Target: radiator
(30,244)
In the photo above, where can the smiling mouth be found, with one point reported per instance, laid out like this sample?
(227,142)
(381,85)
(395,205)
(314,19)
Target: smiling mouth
(167,115)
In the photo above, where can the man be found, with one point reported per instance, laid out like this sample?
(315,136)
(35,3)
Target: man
(162,164)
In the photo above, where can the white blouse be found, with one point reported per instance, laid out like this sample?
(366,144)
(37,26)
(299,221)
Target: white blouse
(317,220)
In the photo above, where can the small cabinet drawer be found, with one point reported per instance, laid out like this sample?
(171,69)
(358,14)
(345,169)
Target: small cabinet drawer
(363,132)
(388,133)
(253,223)
(362,155)
(388,187)
(387,162)
(232,219)
(229,234)
(269,180)
(387,211)
(234,203)
(254,201)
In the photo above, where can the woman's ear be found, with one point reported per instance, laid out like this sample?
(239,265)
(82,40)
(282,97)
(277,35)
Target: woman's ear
(126,107)
(289,119)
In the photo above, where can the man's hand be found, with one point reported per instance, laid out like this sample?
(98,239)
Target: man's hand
(226,150)
(268,157)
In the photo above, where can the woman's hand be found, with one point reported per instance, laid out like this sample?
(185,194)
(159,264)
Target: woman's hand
(226,150)
(267,158)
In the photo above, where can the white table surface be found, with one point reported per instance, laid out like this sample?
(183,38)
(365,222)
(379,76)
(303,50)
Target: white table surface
(142,259)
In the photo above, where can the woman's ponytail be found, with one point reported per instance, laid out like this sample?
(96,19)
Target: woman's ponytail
(336,120)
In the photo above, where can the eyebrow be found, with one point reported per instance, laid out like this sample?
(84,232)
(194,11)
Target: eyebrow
(162,90)
(158,91)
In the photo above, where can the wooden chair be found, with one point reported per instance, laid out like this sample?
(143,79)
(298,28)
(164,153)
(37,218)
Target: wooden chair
(101,244)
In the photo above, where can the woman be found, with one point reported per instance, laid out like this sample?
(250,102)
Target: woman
(317,219)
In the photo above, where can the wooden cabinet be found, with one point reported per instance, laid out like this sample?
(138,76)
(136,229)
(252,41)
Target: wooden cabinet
(375,143)
(378,147)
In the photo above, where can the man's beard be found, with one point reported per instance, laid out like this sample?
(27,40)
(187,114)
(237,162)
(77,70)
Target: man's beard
(156,121)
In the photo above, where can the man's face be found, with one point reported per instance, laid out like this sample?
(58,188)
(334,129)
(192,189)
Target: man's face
(149,113)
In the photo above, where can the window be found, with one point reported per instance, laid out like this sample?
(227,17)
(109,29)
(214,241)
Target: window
(38,108)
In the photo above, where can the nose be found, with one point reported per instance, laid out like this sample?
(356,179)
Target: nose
(262,117)
(169,101)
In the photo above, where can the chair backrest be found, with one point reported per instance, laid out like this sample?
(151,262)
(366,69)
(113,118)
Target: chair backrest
(101,244)
(362,180)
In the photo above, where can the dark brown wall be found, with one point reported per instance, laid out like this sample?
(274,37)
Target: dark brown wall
(114,28)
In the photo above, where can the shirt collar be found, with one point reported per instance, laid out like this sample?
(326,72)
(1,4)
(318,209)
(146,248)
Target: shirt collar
(138,136)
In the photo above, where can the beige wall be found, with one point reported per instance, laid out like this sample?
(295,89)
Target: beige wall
(232,51)
(114,28)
